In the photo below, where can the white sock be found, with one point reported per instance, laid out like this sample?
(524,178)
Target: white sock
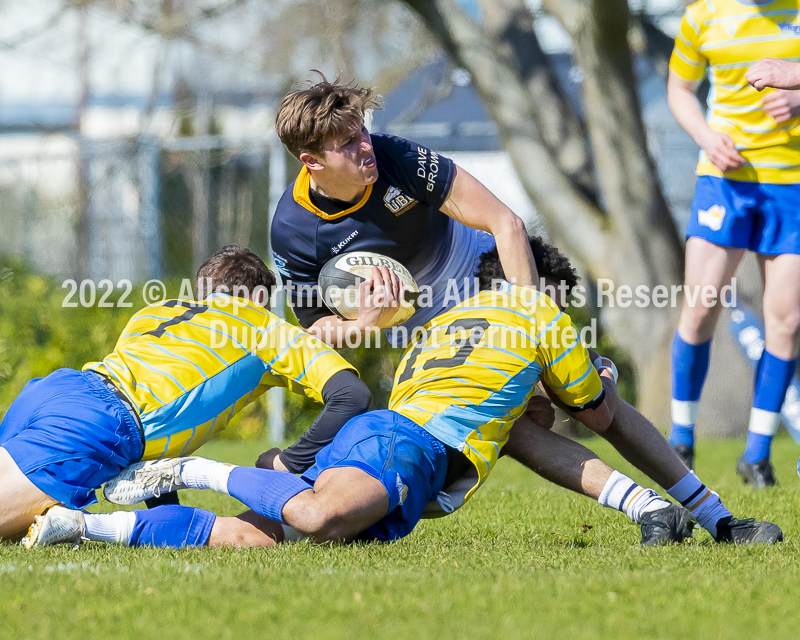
(201,473)
(290,534)
(623,494)
(110,527)
(763,422)
(704,504)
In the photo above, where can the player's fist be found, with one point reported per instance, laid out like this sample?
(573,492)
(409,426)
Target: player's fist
(782,105)
(771,72)
(541,412)
(271,460)
(379,298)
(721,150)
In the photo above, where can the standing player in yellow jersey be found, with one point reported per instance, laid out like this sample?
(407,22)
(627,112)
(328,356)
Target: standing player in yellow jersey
(457,393)
(747,199)
(179,372)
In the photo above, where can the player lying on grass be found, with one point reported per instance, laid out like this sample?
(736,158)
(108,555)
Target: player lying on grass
(178,373)
(456,395)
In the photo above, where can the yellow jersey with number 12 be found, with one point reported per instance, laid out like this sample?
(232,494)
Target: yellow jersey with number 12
(728,37)
(472,373)
(189,367)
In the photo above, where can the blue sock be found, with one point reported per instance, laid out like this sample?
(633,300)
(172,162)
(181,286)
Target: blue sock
(689,369)
(264,491)
(172,526)
(773,376)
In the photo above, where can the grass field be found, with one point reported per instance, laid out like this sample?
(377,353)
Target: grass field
(524,559)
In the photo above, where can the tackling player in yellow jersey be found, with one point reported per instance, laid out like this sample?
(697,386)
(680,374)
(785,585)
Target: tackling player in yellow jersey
(470,377)
(179,372)
(746,199)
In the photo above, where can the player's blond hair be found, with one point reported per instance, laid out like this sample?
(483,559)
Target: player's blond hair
(311,116)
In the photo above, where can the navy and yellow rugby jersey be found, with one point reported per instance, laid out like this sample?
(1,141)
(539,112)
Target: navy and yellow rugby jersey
(473,375)
(398,216)
(189,367)
(727,37)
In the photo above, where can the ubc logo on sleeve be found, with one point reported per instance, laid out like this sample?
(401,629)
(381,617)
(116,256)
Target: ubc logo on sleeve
(711,217)
(397,202)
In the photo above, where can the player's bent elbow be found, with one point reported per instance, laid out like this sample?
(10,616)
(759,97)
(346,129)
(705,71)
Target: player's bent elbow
(359,397)
(347,394)
(510,224)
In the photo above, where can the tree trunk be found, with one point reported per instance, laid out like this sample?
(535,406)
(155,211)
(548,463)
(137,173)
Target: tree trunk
(510,26)
(632,241)
(629,184)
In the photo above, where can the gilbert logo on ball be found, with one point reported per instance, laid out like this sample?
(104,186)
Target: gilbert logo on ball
(341,276)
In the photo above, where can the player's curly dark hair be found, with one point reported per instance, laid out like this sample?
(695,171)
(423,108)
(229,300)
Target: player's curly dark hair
(550,263)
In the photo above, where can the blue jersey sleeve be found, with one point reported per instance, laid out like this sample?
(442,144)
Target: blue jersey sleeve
(420,172)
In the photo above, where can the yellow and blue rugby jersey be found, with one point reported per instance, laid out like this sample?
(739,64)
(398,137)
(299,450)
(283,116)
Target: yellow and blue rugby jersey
(728,37)
(473,375)
(189,367)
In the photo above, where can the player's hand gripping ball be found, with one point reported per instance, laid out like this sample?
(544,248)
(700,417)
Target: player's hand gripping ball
(341,276)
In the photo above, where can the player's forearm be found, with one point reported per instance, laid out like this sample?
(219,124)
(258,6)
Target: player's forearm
(334,331)
(515,253)
(688,111)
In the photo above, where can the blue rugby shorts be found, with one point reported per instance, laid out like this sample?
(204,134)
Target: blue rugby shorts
(409,462)
(69,434)
(760,217)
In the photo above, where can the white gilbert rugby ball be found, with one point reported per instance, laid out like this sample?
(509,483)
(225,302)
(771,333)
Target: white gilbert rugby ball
(341,276)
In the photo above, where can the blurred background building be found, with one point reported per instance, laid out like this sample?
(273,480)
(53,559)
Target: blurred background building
(135,138)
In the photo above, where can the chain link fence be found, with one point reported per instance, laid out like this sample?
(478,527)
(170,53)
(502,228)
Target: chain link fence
(137,209)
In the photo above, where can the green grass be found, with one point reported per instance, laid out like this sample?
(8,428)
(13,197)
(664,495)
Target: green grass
(523,559)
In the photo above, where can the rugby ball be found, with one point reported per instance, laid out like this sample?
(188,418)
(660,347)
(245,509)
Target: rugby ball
(341,276)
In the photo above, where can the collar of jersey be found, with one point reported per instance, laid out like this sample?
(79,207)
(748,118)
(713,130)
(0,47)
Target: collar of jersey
(302,197)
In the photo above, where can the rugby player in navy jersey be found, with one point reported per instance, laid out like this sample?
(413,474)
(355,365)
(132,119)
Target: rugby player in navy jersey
(380,193)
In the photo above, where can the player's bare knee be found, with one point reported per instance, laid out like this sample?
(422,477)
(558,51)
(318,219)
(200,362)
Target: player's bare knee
(309,513)
(698,321)
(782,324)
(320,525)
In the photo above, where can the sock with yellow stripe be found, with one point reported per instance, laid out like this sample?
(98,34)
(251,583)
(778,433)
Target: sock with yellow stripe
(704,504)
(623,494)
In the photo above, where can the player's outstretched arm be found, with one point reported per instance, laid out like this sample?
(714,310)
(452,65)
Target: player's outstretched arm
(771,72)
(473,205)
(345,396)
(686,108)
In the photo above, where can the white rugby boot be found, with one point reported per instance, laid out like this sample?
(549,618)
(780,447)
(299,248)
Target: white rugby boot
(58,525)
(145,480)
